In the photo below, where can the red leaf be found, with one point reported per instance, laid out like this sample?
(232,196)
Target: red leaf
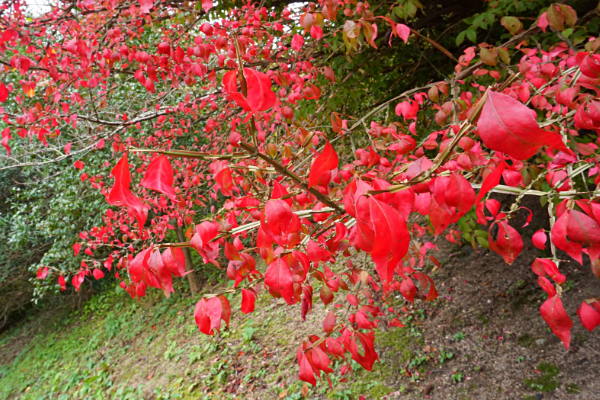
(320,360)
(120,194)
(370,356)
(297,42)
(509,243)
(61,283)
(98,273)
(278,277)
(248,300)
(326,295)
(208,314)
(3,92)
(149,85)
(403,31)
(491,181)
(426,282)
(329,322)
(391,238)
(42,273)
(543,266)
(260,96)
(555,316)
(547,286)
(590,318)
(155,264)
(207,5)
(539,239)
(5,138)
(459,193)
(582,229)
(159,177)
(306,371)
(76,249)
(281,225)
(146,5)
(174,259)
(325,162)
(306,306)
(508,126)
(559,238)
(408,289)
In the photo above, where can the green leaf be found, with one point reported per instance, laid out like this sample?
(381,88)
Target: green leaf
(482,242)
(478,20)
(410,9)
(471,35)
(460,38)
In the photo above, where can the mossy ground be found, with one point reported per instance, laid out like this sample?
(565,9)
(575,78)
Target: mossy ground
(118,348)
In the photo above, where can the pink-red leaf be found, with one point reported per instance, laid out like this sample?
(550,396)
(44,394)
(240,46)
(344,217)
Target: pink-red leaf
(491,181)
(459,193)
(555,316)
(120,194)
(508,244)
(403,31)
(278,278)
(391,238)
(589,317)
(207,5)
(248,300)
(325,162)
(508,126)
(539,239)
(329,322)
(159,177)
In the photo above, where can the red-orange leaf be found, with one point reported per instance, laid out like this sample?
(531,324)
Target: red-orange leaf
(159,177)
(391,238)
(509,243)
(590,318)
(491,181)
(459,193)
(325,162)
(278,278)
(555,316)
(248,300)
(120,194)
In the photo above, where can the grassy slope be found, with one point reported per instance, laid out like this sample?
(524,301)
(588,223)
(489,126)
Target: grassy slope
(152,349)
(481,339)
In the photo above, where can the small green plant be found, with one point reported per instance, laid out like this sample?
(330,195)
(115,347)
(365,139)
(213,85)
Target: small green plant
(457,377)
(546,382)
(459,336)
(248,332)
(573,388)
(445,355)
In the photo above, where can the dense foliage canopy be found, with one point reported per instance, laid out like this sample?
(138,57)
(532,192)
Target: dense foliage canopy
(247,131)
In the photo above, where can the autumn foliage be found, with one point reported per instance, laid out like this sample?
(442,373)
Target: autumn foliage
(514,119)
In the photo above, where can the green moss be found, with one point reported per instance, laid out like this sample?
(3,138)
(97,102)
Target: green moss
(548,368)
(398,340)
(546,382)
(526,340)
(573,388)
(525,296)
(484,320)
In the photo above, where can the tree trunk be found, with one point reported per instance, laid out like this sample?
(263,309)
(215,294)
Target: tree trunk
(192,276)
